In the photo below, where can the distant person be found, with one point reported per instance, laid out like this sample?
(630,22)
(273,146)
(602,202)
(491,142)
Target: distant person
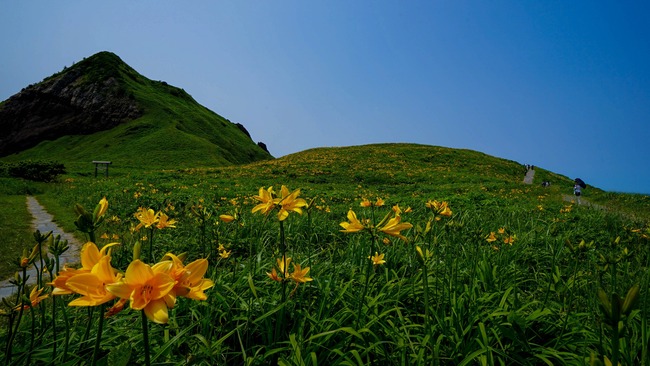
(577,190)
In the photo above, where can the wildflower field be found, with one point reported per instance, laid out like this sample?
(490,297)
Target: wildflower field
(374,255)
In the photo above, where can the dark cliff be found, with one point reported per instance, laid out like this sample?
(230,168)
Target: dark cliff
(85,98)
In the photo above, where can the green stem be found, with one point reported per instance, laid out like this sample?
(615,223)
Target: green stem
(67,331)
(21,294)
(90,311)
(151,260)
(56,270)
(425,284)
(145,339)
(98,340)
(31,341)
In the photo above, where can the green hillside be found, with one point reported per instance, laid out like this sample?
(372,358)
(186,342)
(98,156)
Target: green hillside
(173,129)
(511,274)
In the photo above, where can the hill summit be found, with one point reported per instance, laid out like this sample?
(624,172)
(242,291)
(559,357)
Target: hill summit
(101,108)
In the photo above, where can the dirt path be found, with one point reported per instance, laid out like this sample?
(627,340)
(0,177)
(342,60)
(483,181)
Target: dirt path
(42,221)
(583,201)
(530,175)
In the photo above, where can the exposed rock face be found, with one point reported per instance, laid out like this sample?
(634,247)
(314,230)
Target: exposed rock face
(263,146)
(67,103)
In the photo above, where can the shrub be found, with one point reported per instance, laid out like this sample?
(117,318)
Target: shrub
(40,171)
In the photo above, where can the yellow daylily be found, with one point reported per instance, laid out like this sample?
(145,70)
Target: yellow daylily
(282,264)
(90,256)
(377,259)
(147,217)
(101,208)
(393,227)
(225,254)
(299,274)
(226,218)
(34,299)
(354,225)
(189,279)
(164,221)
(92,285)
(492,237)
(290,202)
(267,201)
(423,255)
(146,289)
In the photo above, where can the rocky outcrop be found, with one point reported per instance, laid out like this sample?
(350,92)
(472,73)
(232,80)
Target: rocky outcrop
(67,103)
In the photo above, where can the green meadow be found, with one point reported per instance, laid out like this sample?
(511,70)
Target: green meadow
(507,274)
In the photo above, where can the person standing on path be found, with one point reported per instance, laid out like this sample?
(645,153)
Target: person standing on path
(577,190)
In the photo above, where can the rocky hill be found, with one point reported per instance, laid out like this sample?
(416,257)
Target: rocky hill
(101,93)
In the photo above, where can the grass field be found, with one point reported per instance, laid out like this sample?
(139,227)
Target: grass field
(510,274)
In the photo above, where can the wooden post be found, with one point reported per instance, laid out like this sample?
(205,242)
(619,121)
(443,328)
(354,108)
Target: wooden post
(103,164)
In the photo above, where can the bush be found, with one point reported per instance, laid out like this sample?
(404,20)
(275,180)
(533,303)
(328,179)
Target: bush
(40,171)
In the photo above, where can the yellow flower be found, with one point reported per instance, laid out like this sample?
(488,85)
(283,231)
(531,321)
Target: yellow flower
(393,227)
(282,264)
(397,210)
(146,289)
(424,255)
(274,275)
(226,218)
(116,308)
(101,208)
(189,279)
(92,285)
(354,225)
(365,203)
(379,202)
(502,230)
(164,221)
(299,274)
(510,239)
(90,254)
(267,200)
(34,299)
(290,202)
(446,211)
(147,218)
(441,208)
(492,237)
(225,253)
(377,259)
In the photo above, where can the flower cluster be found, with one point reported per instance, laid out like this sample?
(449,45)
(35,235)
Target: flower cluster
(500,235)
(280,272)
(153,289)
(149,218)
(286,202)
(439,209)
(391,225)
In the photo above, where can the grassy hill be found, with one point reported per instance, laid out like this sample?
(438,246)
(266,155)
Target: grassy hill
(172,127)
(510,277)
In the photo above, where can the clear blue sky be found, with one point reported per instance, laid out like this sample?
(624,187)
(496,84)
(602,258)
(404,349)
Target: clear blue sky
(564,85)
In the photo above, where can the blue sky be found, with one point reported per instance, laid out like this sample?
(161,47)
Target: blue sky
(563,85)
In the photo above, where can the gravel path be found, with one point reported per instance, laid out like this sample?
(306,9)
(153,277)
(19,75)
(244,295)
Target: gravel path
(530,174)
(42,221)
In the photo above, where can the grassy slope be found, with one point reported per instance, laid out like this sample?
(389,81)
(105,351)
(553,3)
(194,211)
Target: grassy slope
(174,128)
(397,172)
(15,224)
(400,173)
